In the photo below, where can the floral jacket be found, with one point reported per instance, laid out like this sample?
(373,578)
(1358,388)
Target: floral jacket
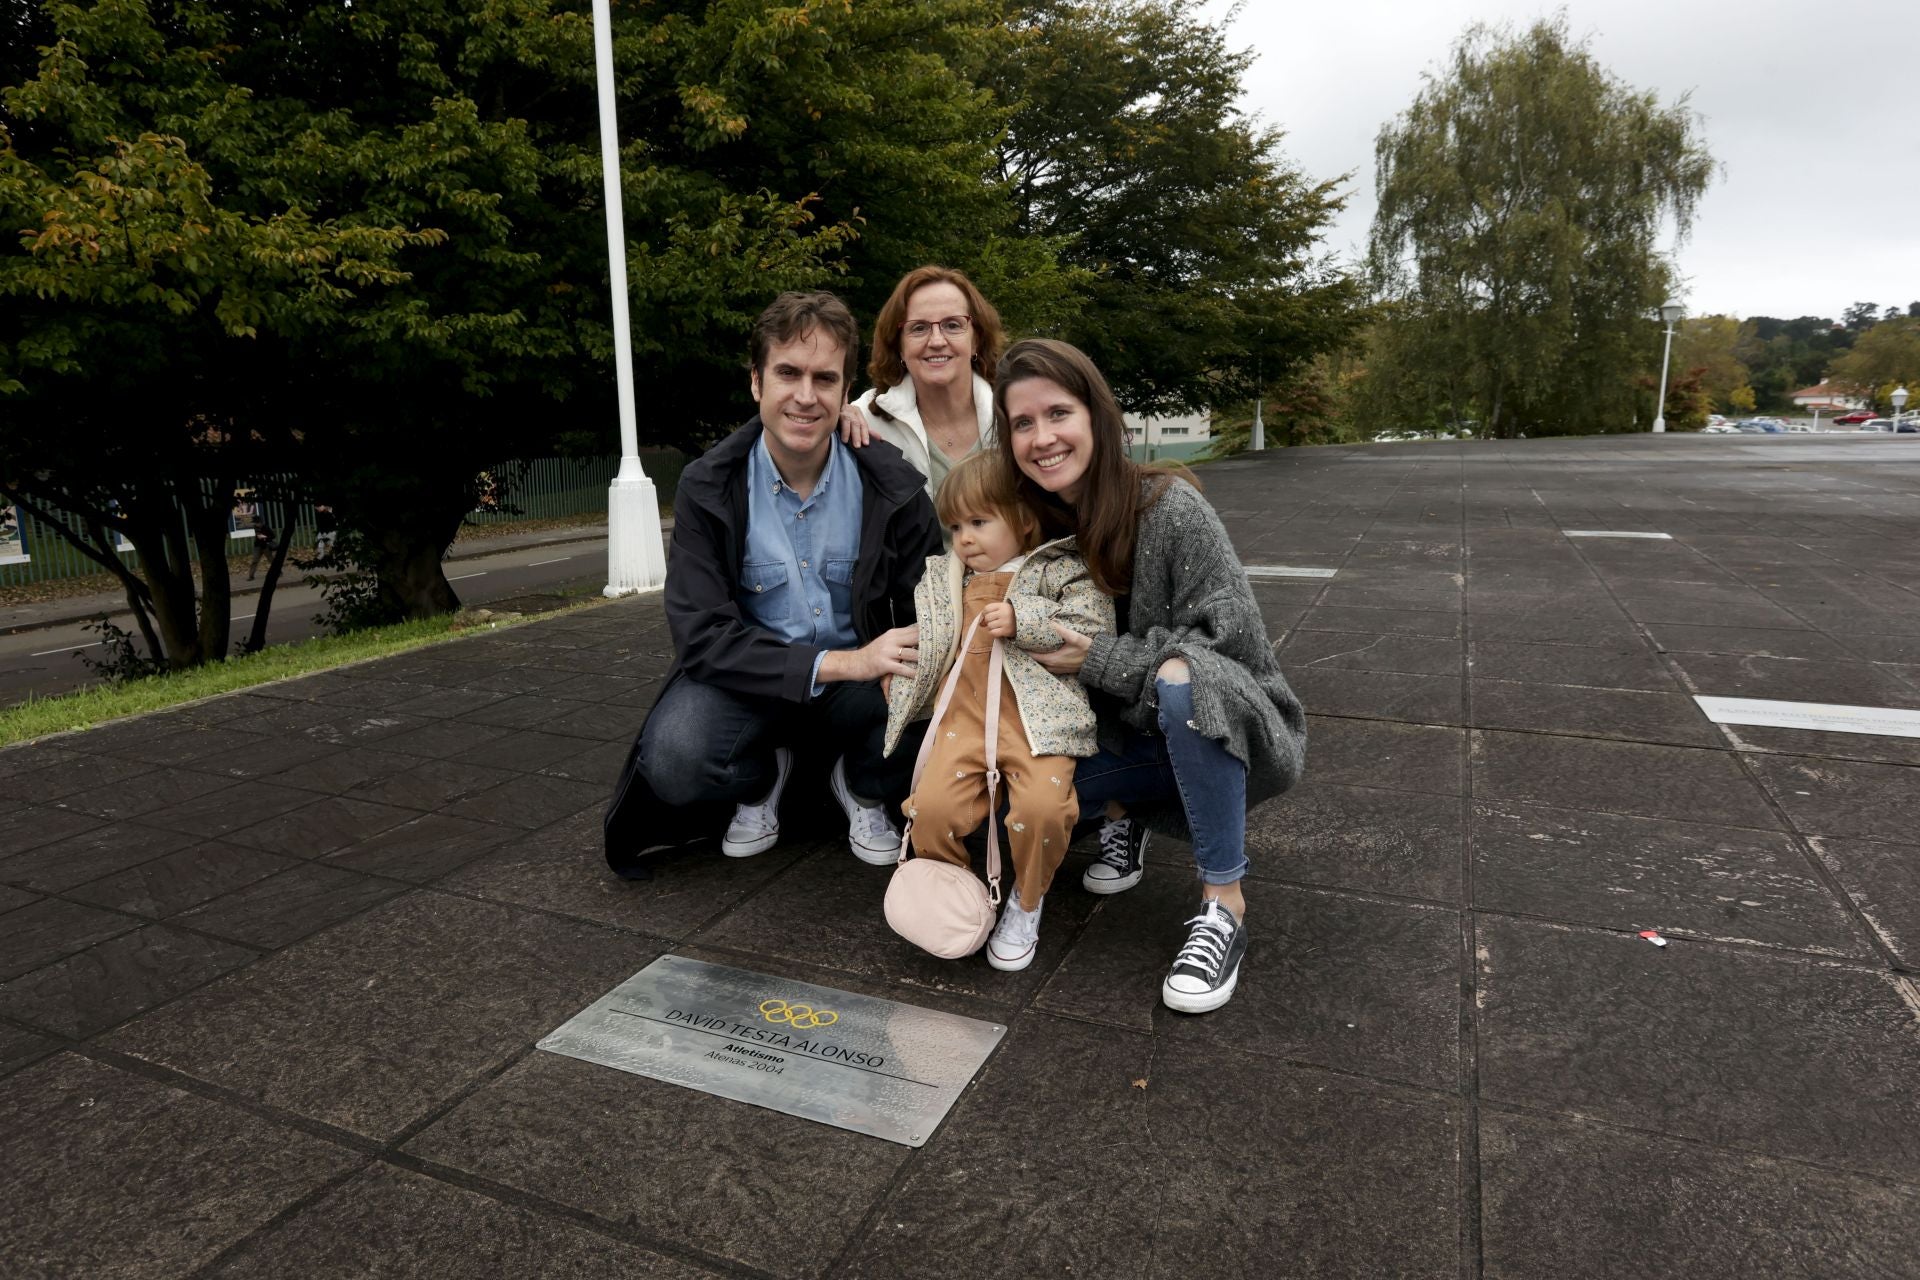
(1053,585)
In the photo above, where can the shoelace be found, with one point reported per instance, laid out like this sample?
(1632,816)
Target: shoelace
(1207,945)
(1018,926)
(763,816)
(1115,836)
(871,822)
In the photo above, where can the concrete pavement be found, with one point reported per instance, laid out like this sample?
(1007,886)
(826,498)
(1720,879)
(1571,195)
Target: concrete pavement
(272,966)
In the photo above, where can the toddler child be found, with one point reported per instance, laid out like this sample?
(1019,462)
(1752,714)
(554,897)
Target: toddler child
(998,572)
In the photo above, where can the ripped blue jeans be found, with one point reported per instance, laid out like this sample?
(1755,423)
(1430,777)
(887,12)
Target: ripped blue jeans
(1178,763)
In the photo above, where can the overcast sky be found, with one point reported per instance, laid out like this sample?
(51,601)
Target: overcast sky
(1816,130)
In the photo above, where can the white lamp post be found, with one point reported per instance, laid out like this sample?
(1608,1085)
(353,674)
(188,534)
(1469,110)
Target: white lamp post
(1669,312)
(1899,398)
(636,558)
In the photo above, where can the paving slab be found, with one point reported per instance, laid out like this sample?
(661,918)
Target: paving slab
(368,1027)
(562,868)
(1372,839)
(99,851)
(1883,883)
(289,905)
(1843,797)
(1627,715)
(174,882)
(333,967)
(1576,1200)
(1617,666)
(1381,695)
(44,931)
(1212,1162)
(1383,753)
(1617,777)
(1724,884)
(1753,1052)
(392,1222)
(108,1173)
(89,991)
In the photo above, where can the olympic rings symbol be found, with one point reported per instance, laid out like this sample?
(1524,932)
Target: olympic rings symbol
(802,1017)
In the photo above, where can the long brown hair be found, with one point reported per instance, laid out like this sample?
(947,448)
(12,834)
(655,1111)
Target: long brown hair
(888,369)
(1106,519)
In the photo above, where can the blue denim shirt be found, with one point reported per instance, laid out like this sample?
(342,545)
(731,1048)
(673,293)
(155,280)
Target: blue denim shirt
(797,577)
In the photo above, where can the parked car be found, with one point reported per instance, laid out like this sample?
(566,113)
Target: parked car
(1877,424)
(1759,426)
(1720,429)
(1802,428)
(1855,418)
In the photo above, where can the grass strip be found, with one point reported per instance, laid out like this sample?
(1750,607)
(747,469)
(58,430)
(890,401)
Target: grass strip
(85,708)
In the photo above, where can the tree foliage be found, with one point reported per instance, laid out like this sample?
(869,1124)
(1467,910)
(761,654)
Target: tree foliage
(1705,350)
(1521,198)
(354,251)
(1195,242)
(1884,357)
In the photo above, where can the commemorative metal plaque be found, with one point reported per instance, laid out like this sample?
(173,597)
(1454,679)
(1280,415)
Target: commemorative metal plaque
(856,1062)
(1821,717)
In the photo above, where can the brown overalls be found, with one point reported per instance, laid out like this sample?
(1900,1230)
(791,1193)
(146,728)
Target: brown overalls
(951,800)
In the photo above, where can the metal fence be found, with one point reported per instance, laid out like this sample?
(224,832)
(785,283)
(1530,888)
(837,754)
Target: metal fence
(540,488)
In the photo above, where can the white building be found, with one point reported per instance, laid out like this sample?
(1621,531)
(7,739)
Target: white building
(1176,437)
(1827,399)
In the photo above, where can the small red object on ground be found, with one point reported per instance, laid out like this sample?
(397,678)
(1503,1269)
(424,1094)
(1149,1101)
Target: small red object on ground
(1653,937)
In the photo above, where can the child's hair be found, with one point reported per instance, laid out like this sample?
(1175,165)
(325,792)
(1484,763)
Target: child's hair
(980,484)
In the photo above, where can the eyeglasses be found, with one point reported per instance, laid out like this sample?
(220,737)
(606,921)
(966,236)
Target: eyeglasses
(952,326)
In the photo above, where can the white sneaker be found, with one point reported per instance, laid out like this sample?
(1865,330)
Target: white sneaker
(1016,937)
(869,834)
(756,827)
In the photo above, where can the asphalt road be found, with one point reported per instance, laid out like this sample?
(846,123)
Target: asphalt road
(47,661)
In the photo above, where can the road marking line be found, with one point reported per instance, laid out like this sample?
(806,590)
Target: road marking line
(1820,717)
(243,617)
(537,563)
(464,576)
(1616,533)
(69,649)
(1286,571)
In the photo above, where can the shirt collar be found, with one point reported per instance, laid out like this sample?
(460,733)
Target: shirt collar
(767,475)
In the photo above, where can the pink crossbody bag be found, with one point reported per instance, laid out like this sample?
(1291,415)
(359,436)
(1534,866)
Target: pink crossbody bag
(939,907)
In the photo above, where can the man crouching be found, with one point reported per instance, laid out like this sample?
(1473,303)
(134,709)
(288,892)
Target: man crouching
(789,594)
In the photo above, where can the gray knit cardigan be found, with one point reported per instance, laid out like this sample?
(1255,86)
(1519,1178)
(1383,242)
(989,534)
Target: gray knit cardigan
(1191,600)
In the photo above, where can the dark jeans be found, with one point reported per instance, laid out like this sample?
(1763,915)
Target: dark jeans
(1177,764)
(704,745)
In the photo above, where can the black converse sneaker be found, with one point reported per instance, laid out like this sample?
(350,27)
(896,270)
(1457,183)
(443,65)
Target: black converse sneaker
(1208,966)
(1123,856)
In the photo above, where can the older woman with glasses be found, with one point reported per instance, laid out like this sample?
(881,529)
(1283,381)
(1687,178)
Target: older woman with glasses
(934,349)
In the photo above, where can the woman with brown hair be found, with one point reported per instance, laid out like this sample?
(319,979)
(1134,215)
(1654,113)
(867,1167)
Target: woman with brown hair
(935,345)
(1196,722)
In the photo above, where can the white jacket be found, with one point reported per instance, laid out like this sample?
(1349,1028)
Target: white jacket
(898,420)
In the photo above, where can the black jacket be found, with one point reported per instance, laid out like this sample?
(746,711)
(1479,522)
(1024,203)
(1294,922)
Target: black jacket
(715,643)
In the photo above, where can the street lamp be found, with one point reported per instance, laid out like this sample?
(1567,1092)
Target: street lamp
(1899,398)
(636,556)
(1670,311)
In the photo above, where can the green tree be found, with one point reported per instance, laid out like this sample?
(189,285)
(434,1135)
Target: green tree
(432,169)
(1704,347)
(1196,243)
(1784,355)
(144,366)
(1521,200)
(1884,357)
